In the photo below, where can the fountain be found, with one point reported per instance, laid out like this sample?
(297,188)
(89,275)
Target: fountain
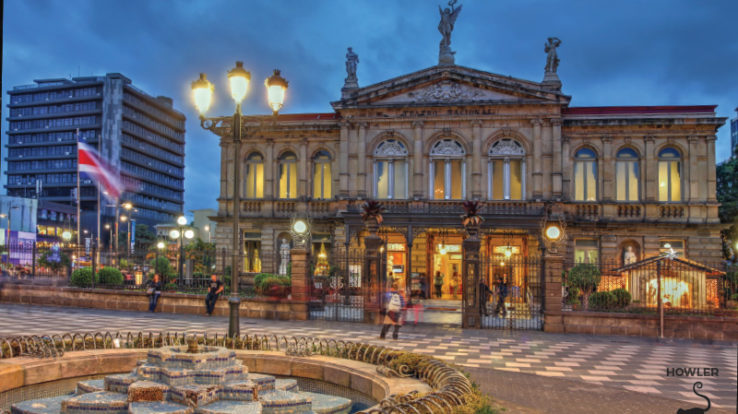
(185,380)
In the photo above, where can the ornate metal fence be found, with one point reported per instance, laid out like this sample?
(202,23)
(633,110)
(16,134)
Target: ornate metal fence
(337,292)
(680,285)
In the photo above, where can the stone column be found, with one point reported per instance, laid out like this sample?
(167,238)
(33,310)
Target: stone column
(361,155)
(556,179)
(300,276)
(418,186)
(553,264)
(566,169)
(607,182)
(353,162)
(650,171)
(537,159)
(711,172)
(476,184)
(269,170)
(343,189)
(302,186)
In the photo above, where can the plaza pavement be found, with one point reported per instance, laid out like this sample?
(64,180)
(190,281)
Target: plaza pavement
(529,372)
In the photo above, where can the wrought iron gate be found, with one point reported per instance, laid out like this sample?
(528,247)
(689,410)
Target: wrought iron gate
(337,289)
(516,301)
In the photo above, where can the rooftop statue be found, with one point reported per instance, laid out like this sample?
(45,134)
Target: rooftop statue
(351,82)
(446,26)
(552,60)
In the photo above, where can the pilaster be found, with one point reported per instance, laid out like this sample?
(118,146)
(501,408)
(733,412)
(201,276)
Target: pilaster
(557,168)
(269,170)
(554,265)
(537,159)
(343,172)
(361,183)
(302,188)
(711,171)
(477,185)
(650,172)
(300,277)
(692,175)
(606,167)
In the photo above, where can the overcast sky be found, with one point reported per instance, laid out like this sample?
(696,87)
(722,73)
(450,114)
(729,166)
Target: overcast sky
(656,52)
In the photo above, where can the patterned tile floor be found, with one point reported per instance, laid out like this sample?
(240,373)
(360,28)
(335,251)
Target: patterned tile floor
(635,364)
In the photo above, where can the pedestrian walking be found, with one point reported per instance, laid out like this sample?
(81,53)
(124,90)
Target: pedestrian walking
(154,291)
(501,295)
(484,294)
(454,285)
(415,303)
(438,283)
(214,290)
(394,305)
(423,287)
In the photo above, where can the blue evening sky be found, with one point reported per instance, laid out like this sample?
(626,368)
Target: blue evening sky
(656,52)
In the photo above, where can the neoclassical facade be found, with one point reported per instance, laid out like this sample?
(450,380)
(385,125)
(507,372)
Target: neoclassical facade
(633,178)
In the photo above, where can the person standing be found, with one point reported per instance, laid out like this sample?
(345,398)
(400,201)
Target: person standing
(394,305)
(501,295)
(438,283)
(454,285)
(214,290)
(423,287)
(484,294)
(154,291)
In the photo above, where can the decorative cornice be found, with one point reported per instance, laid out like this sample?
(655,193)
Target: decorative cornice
(417,124)
(536,122)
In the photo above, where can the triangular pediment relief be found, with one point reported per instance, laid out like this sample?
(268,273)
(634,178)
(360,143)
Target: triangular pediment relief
(447,91)
(450,85)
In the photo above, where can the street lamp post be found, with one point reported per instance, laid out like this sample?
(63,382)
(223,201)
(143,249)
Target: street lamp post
(159,247)
(231,127)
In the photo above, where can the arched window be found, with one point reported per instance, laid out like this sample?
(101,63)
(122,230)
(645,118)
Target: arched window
(390,170)
(322,180)
(670,175)
(626,175)
(254,176)
(447,170)
(506,170)
(288,175)
(585,175)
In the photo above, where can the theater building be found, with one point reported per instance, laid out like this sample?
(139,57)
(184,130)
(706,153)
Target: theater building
(629,179)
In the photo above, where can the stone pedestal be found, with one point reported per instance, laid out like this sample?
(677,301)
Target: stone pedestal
(446,56)
(300,275)
(471,317)
(551,81)
(554,265)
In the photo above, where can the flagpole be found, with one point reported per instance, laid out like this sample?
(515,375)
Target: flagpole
(79,196)
(97,246)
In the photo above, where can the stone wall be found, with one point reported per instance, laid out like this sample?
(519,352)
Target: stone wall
(138,301)
(607,323)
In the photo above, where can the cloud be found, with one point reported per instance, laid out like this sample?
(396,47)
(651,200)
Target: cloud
(613,53)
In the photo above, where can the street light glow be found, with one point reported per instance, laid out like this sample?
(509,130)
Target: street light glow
(127,205)
(202,94)
(189,234)
(300,227)
(553,232)
(174,234)
(238,80)
(181,220)
(123,218)
(67,235)
(160,245)
(276,90)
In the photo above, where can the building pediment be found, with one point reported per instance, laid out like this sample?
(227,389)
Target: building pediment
(455,85)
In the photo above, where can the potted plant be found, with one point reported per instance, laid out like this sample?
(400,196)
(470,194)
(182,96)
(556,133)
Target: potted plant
(471,219)
(585,277)
(371,213)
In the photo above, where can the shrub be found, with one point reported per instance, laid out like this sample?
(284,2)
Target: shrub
(274,285)
(734,297)
(573,297)
(110,276)
(622,298)
(585,277)
(259,279)
(602,300)
(81,277)
(54,261)
(171,286)
(161,266)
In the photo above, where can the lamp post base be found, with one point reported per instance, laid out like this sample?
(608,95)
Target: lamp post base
(234,323)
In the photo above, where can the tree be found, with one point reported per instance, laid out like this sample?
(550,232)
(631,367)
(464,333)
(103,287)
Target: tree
(727,195)
(145,238)
(584,277)
(202,255)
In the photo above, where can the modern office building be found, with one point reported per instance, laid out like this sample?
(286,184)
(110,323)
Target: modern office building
(142,135)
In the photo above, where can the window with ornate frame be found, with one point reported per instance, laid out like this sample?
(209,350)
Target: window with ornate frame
(627,175)
(670,175)
(322,179)
(254,172)
(585,175)
(447,170)
(586,251)
(288,175)
(506,170)
(390,170)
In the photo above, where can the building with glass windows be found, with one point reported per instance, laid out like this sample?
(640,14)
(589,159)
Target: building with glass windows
(140,134)
(630,180)
(734,133)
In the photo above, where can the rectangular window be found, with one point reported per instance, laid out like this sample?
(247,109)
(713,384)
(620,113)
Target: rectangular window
(322,181)
(251,254)
(626,178)
(516,179)
(586,251)
(670,188)
(669,246)
(456,180)
(439,179)
(585,181)
(498,180)
(382,179)
(254,180)
(399,172)
(288,180)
